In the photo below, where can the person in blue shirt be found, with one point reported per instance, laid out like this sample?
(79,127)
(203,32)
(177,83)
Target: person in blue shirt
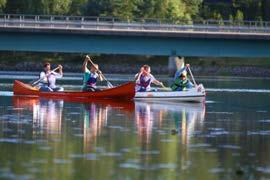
(91,76)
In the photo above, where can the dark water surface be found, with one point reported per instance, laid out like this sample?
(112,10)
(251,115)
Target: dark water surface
(228,137)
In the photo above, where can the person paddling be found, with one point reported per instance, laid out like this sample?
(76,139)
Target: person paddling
(144,79)
(90,76)
(181,82)
(48,79)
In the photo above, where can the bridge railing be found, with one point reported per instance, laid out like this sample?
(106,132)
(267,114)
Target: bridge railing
(111,23)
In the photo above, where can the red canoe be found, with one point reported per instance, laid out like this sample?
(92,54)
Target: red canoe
(126,91)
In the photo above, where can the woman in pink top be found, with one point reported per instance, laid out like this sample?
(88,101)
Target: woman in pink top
(144,79)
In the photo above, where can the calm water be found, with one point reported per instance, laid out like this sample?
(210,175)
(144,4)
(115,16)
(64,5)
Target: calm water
(228,137)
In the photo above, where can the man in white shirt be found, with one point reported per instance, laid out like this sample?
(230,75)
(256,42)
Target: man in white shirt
(48,79)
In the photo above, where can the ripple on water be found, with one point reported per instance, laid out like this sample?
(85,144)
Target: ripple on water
(6,93)
(139,166)
(100,150)
(167,140)
(91,156)
(61,161)
(216,170)
(199,145)
(39,161)
(218,133)
(6,173)
(263,133)
(125,150)
(265,170)
(229,113)
(265,121)
(45,148)
(77,156)
(34,170)
(78,135)
(211,150)
(115,127)
(153,152)
(16,141)
(7,130)
(10,140)
(228,146)
(112,154)
(74,113)
(261,111)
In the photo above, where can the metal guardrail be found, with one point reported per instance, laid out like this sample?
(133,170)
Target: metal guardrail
(110,23)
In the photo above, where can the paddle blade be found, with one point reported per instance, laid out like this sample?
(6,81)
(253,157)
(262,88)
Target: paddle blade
(109,85)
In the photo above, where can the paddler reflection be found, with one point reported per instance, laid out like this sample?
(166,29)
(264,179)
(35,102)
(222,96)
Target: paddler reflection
(188,118)
(95,118)
(47,114)
(144,121)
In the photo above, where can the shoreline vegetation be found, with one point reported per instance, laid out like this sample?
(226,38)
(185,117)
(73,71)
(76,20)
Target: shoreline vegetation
(175,11)
(126,64)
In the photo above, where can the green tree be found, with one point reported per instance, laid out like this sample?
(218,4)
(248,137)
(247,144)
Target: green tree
(99,8)
(17,7)
(77,7)
(145,8)
(176,11)
(239,17)
(2,5)
(56,7)
(265,10)
(193,7)
(123,9)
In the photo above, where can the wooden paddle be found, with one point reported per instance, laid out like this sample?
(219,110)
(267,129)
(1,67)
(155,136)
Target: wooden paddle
(193,79)
(165,88)
(37,81)
(109,84)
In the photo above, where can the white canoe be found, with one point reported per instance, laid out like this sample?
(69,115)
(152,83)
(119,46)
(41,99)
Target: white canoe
(196,94)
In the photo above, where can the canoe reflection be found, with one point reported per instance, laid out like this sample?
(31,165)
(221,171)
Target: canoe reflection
(47,114)
(188,118)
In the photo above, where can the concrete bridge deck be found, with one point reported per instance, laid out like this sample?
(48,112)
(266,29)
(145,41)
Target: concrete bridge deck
(112,36)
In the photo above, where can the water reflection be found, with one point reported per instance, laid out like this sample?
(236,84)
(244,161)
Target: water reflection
(47,118)
(95,118)
(47,114)
(87,134)
(187,118)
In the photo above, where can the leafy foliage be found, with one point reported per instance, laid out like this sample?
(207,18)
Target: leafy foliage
(174,10)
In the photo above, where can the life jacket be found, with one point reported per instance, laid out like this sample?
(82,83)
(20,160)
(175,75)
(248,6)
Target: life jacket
(179,84)
(144,84)
(91,81)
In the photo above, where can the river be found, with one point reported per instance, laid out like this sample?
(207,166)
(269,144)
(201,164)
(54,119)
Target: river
(227,137)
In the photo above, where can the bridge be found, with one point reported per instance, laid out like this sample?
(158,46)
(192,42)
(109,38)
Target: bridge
(106,35)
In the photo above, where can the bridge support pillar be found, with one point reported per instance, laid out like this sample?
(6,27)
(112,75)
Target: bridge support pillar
(175,63)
